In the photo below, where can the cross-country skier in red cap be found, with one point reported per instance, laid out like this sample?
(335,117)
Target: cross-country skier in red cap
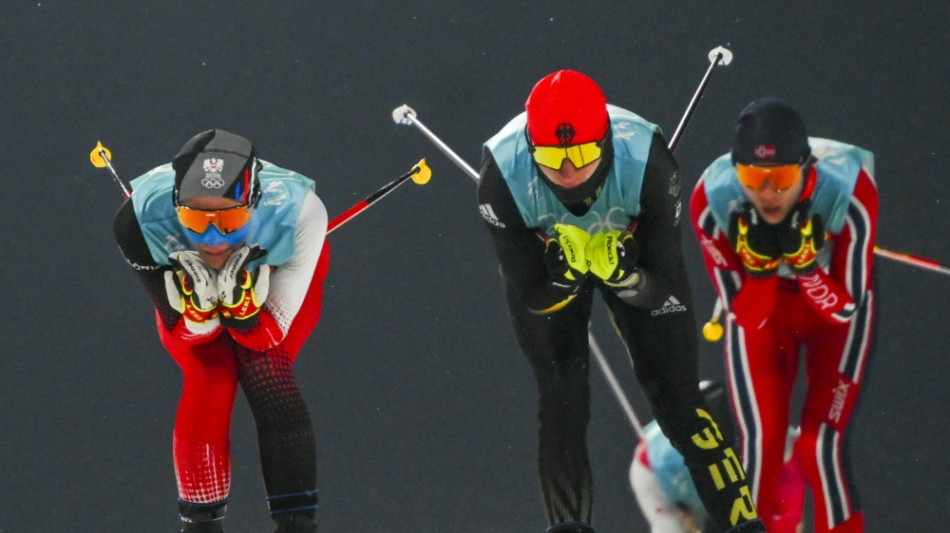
(580,195)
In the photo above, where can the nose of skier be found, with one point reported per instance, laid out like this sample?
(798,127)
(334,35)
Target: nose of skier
(774,203)
(570,176)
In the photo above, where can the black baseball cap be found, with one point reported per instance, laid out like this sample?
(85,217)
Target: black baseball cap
(769,132)
(216,163)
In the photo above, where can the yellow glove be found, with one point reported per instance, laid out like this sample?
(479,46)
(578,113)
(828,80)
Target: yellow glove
(612,257)
(565,254)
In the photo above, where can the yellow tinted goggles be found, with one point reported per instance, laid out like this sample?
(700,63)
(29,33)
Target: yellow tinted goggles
(781,177)
(226,220)
(554,156)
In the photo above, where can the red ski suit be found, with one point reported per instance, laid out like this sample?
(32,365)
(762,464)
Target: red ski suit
(825,316)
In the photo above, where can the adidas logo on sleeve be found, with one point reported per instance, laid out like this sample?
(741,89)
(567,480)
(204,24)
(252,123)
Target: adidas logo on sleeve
(671,305)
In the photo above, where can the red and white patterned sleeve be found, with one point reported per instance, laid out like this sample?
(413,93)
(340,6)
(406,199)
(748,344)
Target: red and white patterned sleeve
(290,281)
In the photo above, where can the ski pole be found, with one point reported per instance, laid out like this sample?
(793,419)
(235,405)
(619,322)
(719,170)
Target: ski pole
(717,56)
(420,174)
(101,157)
(406,116)
(912,260)
(608,373)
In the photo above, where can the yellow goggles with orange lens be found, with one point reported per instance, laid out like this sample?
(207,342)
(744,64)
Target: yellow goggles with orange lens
(781,177)
(554,156)
(226,220)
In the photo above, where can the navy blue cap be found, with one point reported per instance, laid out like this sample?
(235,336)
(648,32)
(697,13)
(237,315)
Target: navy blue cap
(769,132)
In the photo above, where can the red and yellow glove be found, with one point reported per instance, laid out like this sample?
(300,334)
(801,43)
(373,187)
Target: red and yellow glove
(755,242)
(192,290)
(800,238)
(242,292)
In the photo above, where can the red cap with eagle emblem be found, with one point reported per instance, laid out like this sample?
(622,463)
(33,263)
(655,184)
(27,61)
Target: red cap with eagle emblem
(769,133)
(566,108)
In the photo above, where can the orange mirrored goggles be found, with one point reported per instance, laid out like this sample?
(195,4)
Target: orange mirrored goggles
(579,154)
(227,220)
(781,177)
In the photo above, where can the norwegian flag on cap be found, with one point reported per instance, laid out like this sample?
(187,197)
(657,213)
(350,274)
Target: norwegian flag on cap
(770,132)
(764,151)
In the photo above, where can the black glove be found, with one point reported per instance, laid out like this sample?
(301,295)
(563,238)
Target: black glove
(755,241)
(800,238)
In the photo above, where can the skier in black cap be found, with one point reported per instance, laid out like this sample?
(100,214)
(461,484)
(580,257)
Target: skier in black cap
(787,224)
(231,249)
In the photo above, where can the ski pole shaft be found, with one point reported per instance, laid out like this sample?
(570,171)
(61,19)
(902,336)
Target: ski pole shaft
(912,260)
(420,175)
(717,56)
(406,115)
(614,384)
(101,157)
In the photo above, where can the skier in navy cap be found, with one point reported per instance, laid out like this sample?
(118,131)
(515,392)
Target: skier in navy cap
(787,223)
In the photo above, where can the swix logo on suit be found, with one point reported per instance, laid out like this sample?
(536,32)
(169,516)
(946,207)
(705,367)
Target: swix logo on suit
(839,401)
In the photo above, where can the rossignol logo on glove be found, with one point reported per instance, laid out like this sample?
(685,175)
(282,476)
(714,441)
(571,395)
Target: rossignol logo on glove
(672,305)
(571,252)
(611,248)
